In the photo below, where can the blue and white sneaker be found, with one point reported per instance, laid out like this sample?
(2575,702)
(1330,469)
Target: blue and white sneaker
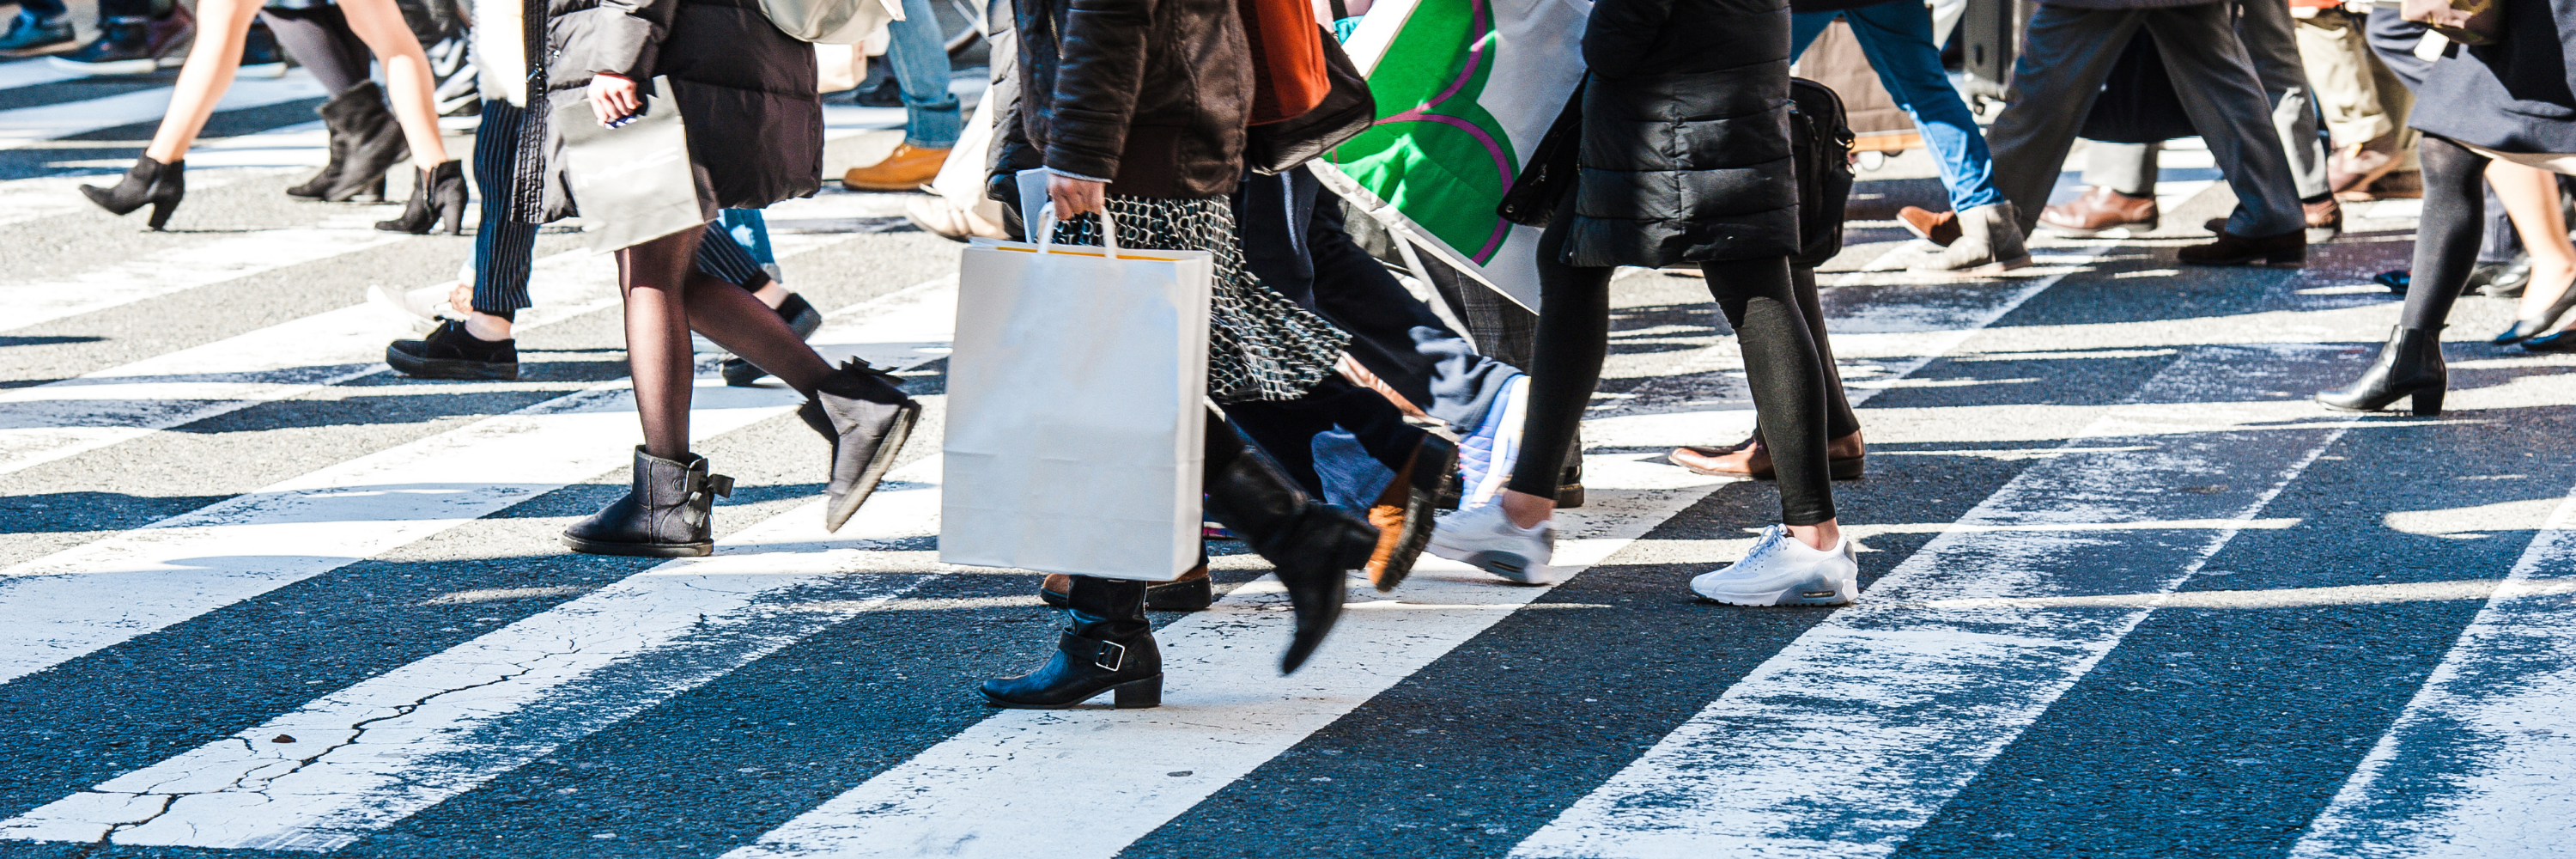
(1486,456)
(1780,570)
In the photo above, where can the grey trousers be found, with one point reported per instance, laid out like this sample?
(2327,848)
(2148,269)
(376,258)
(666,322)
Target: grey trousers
(2069,53)
(2266,30)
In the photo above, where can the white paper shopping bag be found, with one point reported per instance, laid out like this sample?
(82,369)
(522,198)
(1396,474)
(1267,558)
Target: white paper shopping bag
(1075,416)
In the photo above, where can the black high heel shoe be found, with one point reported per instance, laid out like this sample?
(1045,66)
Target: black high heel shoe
(2525,329)
(437,195)
(1312,545)
(2410,365)
(148,181)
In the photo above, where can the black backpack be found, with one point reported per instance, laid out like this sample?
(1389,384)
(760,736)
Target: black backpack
(1820,143)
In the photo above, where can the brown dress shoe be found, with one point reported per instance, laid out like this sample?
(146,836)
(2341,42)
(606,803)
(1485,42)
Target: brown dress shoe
(1403,513)
(2324,217)
(1845,459)
(2098,210)
(1940,228)
(2287,250)
(906,169)
(1193,591)
(2351,171)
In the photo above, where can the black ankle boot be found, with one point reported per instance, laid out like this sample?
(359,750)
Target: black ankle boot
(376,144)
(437,194)
(339,116)
(2410,365)
(148,181)
(801,318)
(1109,646)
(1312,545)
(665,515)
(867,419)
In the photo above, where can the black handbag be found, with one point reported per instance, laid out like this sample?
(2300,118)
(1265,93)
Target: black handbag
(1544,181)
(1820,144)
(1278,147)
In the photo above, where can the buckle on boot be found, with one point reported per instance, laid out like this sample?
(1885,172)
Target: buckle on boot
(1105,655)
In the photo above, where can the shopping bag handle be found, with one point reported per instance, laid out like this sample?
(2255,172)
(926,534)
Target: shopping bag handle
(1046,229)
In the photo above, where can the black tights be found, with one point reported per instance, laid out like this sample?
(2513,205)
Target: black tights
(320,40)
(1778,329)
(2447,237)
(665,296)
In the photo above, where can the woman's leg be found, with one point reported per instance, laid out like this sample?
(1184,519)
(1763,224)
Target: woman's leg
(2530,196)
(1787,375)
(738,321)
(212,60)
(654,276)
(1565,365)
(2446,239)
(408,83)
(1840,420)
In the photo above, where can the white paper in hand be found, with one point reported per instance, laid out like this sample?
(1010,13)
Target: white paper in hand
(1075,409)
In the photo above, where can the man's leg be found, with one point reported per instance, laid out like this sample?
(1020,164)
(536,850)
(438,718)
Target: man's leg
(2225,99)
(1803,29)
(2067,54)
(918,56)
(2265,31)
(1897,39)
(2129,168)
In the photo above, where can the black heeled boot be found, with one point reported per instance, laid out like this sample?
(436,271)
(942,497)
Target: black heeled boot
(437,195)
(148,181)
(867,419)
(376,144)
(1108,647)
(339,129)
(665,515)
(1312,545)
(2409,366)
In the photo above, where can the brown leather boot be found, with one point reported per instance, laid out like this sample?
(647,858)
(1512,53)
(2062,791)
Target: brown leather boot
(2287,250)
(1845,459)
(2101,209)
(906,169)
(1403,512)
(1193,591)
(1940,228)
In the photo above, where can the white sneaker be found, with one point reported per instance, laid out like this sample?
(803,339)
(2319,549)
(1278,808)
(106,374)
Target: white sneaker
(1783,571)
(1486,538)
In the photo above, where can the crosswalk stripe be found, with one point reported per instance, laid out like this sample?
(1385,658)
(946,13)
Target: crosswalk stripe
(185,268)
(98,594)
(2478,764)
(1842,743)
(34,72)
(366,756)
(22,126)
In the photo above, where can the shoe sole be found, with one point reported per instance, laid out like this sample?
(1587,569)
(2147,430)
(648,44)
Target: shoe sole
(1141,694)
(113,67)
(449,368)
(1509,565)
(1811,593)
(848,505)
(639,550)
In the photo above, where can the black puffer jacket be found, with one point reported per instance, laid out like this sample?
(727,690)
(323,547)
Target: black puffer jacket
(1685,153)
(1148,94)
(746,91)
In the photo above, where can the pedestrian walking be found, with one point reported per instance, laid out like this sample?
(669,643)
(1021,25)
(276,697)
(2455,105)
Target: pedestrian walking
(917,53)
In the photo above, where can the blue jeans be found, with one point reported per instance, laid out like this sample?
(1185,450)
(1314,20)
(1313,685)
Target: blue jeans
(918,53)
(43,9)
(1897,39)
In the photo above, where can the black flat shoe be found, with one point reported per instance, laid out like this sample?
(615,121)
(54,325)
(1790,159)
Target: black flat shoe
(2525,329)
(2556,341)
(451,352)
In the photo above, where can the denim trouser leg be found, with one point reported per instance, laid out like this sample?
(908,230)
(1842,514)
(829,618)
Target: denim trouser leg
(919,56)
(46,9)
(1897,39)
(749,230)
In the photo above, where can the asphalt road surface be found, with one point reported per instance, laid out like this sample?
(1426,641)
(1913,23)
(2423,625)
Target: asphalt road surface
(2127,591)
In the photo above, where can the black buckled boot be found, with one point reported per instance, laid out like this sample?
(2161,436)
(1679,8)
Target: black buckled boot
(867,419)
(1312,545)
(148,181)
(665,515)
(2410,365)
(437,194)
(376,144)
(1108,647)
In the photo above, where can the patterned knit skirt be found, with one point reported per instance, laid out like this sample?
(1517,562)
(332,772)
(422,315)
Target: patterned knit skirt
(1261,346)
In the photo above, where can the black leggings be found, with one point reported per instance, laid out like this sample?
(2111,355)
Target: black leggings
(2447,237)
(1779,330)
(320,40)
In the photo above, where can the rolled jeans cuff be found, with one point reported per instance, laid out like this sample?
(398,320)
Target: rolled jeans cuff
(933,126)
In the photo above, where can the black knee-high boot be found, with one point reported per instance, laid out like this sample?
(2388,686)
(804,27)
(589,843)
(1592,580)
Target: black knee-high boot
(1108,647)
(1312,545)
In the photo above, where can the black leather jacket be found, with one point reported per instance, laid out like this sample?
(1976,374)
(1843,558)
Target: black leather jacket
(1148,94)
